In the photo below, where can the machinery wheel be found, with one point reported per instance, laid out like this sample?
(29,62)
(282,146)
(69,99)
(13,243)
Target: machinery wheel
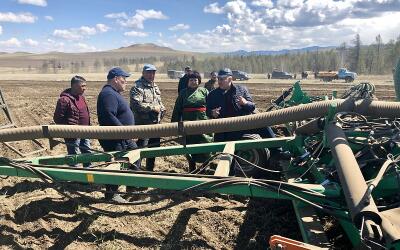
(349,79)
(258,157)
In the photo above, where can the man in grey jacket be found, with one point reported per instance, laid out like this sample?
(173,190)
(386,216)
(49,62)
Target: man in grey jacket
(146,105)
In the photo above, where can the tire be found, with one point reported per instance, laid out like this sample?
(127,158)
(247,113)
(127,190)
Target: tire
(258,157)
(348,79)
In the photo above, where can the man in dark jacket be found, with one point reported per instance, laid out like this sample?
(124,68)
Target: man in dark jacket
(210,85)
(183,82)
(72,109)
(113,110)
(229,100)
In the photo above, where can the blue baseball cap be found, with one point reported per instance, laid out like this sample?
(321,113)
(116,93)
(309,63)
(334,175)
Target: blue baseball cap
(149,67)
(117,71)
(224,72)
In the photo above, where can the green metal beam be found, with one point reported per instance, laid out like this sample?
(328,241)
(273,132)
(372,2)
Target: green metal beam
(163,151)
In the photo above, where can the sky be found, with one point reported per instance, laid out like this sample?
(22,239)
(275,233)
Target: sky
(41,26)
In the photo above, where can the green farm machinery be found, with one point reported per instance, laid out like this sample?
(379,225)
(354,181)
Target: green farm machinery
(337,158)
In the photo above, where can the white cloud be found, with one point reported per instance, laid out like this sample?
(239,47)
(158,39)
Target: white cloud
(136,33)
(81,32)
(52,45)
(67,34)
(87,31)
(48,18)
(179,26)
(213,8)
(83,47)
(31,42)
(102,27)
(12,42)
(181,41)
(1,30)
(263,3)
(117,15)
(11,17)
(136,21)
(275,25)
(42,3)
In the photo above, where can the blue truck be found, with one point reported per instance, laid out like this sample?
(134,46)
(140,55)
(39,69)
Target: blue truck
(341,74)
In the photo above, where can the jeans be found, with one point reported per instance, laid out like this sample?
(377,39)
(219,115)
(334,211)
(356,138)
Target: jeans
(143,143)
(77,146)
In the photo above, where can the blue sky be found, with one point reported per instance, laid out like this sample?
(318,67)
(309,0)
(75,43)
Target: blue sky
(93,25)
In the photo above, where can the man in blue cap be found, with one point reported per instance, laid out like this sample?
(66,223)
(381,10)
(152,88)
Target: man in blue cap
(113,110)
(147,107)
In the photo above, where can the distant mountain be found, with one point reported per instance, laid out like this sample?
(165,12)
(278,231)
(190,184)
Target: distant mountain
(143,47)
(277,52)
(146,50)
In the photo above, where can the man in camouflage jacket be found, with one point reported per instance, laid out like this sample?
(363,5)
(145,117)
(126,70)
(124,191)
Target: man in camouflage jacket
(146,105)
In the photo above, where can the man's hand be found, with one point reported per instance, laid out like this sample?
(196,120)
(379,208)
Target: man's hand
(241,101)
(156,109)
(215,112)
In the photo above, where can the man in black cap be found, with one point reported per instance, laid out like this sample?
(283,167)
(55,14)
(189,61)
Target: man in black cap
(113,110)
(228,100)
(183,82)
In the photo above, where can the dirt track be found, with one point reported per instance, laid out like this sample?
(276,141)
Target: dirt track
(34,215)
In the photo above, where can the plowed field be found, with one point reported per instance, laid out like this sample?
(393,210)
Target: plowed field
(34,215)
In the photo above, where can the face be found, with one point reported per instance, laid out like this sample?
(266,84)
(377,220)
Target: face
(120,83)
(188,71)
(79,88)
(214,76)
(149,75)
(224,82)
(193,83)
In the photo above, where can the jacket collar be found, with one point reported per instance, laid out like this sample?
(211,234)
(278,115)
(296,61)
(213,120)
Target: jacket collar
(147,83)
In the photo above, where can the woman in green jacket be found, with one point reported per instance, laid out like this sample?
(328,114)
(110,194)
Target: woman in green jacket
(191,106)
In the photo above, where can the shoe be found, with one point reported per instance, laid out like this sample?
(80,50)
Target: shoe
(116,198)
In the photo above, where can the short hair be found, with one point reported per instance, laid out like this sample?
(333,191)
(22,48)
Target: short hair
(214,73)
(77,79)
(196,75)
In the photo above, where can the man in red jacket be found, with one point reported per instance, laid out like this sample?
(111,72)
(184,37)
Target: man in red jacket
(72,109)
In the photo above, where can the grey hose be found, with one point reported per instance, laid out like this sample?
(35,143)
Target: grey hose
(301,112)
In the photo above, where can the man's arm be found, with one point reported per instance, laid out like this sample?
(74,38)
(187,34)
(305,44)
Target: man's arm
(59,113)
(136,101)
(249,106)
(177,113)
(108,111)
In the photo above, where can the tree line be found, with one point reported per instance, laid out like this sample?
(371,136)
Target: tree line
(375,58)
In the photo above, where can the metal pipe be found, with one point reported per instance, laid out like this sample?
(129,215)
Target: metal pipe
(351,178)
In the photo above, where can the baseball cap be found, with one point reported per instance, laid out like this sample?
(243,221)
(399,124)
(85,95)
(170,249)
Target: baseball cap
(117,71)
(149,67)
(224,72)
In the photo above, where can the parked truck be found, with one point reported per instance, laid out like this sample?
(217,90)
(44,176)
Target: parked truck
(175,74)
(342,74)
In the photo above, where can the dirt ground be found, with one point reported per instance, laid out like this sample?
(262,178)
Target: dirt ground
(34,215)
